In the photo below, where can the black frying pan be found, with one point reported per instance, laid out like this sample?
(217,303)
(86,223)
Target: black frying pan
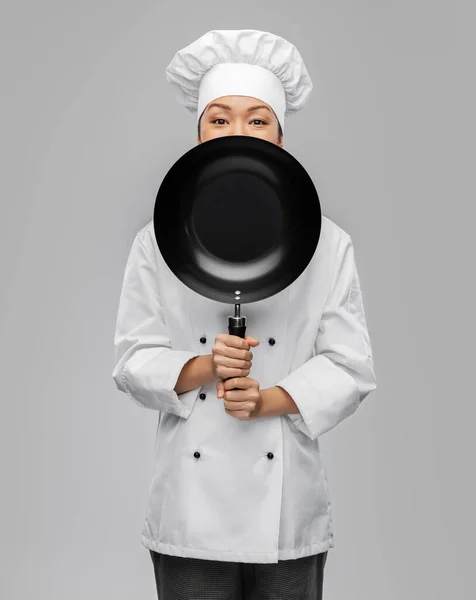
(237,219)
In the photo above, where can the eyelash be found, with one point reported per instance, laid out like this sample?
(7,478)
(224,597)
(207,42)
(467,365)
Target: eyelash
(219,119)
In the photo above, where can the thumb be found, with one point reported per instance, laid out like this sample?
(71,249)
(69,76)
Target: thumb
(251,340)
(220,389)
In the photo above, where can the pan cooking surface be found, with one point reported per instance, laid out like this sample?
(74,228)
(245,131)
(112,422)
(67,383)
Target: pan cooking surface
(235,233)
(237,213)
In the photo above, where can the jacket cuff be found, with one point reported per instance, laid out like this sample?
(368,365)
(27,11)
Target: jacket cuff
(149,378)
(324,394)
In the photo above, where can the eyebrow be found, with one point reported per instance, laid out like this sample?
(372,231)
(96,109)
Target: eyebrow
(226,107)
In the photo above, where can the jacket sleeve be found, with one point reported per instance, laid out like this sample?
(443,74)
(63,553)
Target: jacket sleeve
(330,386)
(146,368)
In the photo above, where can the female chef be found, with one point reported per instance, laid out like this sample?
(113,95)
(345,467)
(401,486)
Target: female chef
(238,505)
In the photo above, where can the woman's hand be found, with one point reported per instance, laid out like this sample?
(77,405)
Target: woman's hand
(243,403)
(231,356)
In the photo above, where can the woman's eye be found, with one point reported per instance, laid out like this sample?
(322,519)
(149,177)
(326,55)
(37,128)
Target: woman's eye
(254,121)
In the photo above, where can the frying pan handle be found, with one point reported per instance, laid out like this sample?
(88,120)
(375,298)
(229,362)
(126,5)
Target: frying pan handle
(238,330)
(236,326)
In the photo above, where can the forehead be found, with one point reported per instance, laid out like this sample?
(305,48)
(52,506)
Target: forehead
(237,103)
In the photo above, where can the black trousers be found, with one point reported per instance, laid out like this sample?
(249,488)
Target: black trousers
(179,578)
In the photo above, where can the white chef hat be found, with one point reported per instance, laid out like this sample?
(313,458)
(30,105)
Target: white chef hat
(240,62)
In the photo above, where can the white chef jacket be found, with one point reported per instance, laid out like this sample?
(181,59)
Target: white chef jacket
(243,491)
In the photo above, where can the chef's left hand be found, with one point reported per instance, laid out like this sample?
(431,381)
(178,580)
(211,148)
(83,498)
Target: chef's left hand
(243,403)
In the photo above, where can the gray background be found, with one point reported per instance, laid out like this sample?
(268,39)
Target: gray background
(89,127)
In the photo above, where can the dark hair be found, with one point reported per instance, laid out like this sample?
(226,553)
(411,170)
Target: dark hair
(280,129)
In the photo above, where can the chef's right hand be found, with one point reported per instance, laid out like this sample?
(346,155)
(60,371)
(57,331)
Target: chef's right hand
(231,355)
